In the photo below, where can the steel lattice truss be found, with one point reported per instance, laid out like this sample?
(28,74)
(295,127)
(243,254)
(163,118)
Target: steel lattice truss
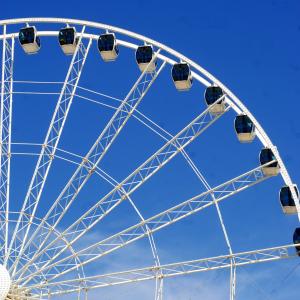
(155,223)
(94,156)
(40,255)
(5,137)
(169,270)
(137,178)
(49,146)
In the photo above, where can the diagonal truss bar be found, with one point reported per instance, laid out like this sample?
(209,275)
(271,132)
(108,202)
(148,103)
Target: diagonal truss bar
(49,147)
(155,223)
(95,154)
(5,137)
(153,164)
(168,270)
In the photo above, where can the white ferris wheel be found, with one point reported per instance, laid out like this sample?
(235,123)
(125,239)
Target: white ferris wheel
(53,243)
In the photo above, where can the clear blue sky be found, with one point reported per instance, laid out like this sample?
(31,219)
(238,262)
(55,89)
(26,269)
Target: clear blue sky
(253,48)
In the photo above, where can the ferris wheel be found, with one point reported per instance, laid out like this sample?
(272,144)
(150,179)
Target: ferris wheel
(63,215)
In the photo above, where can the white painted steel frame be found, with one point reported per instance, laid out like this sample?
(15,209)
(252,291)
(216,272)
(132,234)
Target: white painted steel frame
(172,270)
(204,78)
(185,155)
(93,158)
(36,222)
(199,74)
(49,147)
(95,155)
(5,137)
(104,176)
(107,178)
(138,177)
(163,133)
(157,222)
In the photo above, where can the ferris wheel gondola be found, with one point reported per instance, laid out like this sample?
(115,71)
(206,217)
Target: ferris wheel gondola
(287,201)
(68,40)
(244,128)
(29,40)
(296,240)
(267,156)
(107,46)
(144,58)
(182,76)
(214,98)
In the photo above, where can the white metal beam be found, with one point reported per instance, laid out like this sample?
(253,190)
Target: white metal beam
(168,270)
(5,138)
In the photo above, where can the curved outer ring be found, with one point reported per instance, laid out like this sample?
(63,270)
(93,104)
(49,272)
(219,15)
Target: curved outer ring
(232,99)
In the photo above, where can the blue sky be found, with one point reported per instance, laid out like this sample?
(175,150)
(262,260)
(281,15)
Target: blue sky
(254,50)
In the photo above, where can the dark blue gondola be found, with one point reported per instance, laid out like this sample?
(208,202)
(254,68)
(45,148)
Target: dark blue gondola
(212,95)
(244,128)
(182,76)
(287,201)
(266,155)
(68,40)
(143,56)
(29,40)
(296,239)
(108,47)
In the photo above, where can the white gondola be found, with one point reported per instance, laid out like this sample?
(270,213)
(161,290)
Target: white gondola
(286,199)
(212,95)
(244,128)
(143,56)
(182,76)
(68,40)
(296,240)
(108,47)
(29,40)
(266,155)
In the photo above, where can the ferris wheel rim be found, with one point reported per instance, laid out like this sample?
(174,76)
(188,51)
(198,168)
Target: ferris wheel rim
(234,101)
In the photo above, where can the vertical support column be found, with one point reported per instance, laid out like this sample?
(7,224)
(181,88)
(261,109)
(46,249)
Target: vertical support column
(159,287)
(232,279)
(5,136)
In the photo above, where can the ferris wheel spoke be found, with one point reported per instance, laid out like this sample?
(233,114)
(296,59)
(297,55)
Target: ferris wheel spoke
(165,154)
(5,137)
(157,222)
(97,152)
(50,144)
(169,270)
